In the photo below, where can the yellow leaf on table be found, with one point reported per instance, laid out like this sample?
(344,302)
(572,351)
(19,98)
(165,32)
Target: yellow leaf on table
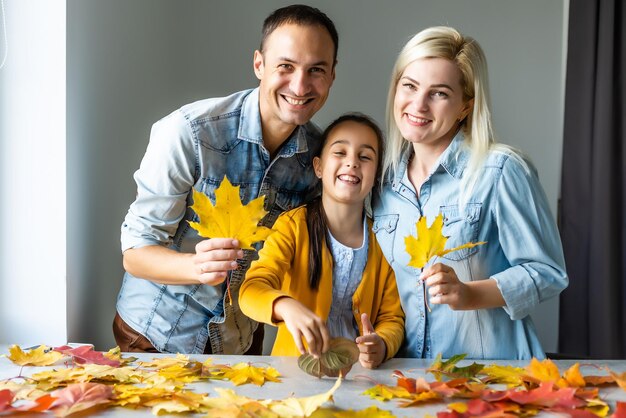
(460,407)
(242,373)
(430,242)
(182,373)
(40,356)
(184,401)
(229,218)
(598,407)
(303,407)
(508,375)
(21,390)
(384,393)
(116,354)
(163,362)
(544,371)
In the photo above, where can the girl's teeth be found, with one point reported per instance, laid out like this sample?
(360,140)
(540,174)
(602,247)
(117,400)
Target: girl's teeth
(350,179)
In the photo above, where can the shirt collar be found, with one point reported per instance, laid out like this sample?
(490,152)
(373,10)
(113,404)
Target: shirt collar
(250,127)
(453,160)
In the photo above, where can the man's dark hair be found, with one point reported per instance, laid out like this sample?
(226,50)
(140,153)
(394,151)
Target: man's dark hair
(303,15)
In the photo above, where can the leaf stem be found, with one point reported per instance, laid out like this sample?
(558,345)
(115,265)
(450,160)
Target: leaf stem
(425,295)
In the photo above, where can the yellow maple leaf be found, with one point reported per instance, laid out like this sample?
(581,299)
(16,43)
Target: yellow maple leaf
(40,356)
(242,373)
(116,354)
(187,373)
(509,375)
(177,402)
(544,371)
(303,407)
(163,362)
(598,407)
(430,242)
(384,393)
(460,407)
(420,398)
(229,218)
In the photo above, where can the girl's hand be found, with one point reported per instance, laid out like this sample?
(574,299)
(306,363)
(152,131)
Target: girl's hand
(445,288)
(302,322)
(371,346)
(214,258)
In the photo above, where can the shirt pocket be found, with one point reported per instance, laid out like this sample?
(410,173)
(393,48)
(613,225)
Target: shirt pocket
(384,226)
(461,228)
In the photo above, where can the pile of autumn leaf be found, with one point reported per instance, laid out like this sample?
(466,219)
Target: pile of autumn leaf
(90,379)
(93,379)
(536,388)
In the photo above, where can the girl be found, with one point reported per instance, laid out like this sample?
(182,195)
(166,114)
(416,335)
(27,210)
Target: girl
(441,157)
(321,273)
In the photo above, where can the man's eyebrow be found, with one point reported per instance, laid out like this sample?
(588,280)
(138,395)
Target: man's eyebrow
(315,64)
(442,85)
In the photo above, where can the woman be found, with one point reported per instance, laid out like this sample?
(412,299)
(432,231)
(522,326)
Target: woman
(441,157)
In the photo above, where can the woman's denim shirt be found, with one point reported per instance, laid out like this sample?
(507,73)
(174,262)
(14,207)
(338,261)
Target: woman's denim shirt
(194,147)
(508,209)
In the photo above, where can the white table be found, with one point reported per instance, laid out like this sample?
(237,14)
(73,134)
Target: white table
(296,383)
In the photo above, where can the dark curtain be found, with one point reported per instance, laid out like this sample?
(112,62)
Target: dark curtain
(592,320)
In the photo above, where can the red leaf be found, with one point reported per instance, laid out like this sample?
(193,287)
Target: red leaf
(620,410)
(80,396)
(6,398)
(85,354)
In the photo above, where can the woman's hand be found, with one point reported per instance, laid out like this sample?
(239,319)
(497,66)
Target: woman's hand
(371,346)
(445,288)
(302,322)
(214,258)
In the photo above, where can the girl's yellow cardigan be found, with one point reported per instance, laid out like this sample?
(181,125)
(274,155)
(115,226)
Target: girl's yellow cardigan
(283,270)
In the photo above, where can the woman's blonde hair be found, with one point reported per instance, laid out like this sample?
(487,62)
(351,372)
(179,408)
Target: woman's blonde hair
(466,53)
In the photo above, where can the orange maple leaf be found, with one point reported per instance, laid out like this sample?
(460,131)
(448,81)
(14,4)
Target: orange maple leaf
(543,371)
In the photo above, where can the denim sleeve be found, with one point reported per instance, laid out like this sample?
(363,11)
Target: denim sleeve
(164,180)
(529,239)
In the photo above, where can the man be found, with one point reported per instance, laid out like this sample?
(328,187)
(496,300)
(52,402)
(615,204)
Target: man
(173,296)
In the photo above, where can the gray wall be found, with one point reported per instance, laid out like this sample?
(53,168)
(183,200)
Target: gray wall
(130,63)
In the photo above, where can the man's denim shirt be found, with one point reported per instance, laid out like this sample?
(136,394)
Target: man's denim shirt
(194,147)
(508,209)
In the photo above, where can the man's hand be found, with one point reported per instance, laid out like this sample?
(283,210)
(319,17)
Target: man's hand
(214,258)
(371,346)
(302,322)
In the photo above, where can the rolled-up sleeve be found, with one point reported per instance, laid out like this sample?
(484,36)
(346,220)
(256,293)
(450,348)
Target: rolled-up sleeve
(529,239)
(164,180)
